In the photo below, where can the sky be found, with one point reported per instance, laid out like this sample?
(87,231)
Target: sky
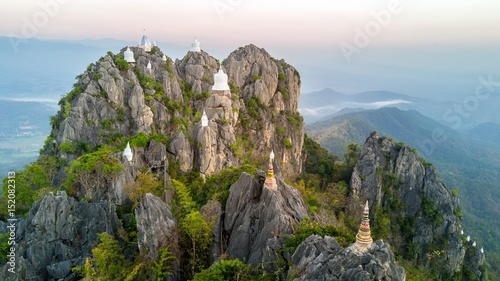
(399,45)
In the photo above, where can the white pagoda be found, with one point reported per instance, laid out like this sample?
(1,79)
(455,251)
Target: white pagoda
(128,55)
(145,43)
(195,46)
(128,152)
(220,81)
(204,119)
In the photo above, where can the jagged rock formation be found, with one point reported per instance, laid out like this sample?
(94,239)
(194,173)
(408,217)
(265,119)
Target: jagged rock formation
(320,258)
(404,188)
(111,101)
(114,100)
(473,261)
(156,229)
(257,217)
(57,235)
(155,225)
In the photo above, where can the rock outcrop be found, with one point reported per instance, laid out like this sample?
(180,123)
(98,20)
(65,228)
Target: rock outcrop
(318,259)
(155,226)
(57,235)
(257,217)
(112,101)
(401,186)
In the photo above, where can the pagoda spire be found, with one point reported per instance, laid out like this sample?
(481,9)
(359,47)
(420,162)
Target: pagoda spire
(363,238)
(270,182)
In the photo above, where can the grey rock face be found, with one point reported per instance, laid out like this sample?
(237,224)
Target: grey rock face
(255,215)
(57,235)
(320,258)
(155,225)
(386,171)
(156,154)
(166,100)
(276,85)
(182,151)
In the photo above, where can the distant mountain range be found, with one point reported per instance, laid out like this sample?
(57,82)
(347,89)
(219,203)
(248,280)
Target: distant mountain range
(468,163)
(321,105)
(489,132)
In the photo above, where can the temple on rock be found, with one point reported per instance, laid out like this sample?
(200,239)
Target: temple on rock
(195,46)
(128,55)
(220,81)
(128,152)
(204,119)
(270,182)
(145,43)
(363,238)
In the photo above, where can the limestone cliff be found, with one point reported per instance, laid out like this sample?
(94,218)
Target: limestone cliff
(113,100)
(257,218)
(57,235)
(320,258)
(411,207)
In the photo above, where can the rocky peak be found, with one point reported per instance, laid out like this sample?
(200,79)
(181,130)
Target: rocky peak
(408,201)
(57,235)
(257,218)
(322,258)
(114,100)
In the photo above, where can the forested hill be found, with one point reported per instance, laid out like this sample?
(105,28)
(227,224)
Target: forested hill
(470,165)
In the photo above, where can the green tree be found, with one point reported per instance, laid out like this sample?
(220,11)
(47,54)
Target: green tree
(183,197)
(109,258)
(352,155)
(231,270)
(4,247)
(145,183)
(197,233)
(93,171)
(30,185)
(163,266)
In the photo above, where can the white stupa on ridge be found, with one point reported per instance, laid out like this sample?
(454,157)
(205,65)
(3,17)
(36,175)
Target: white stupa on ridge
(128,152)
(128,55)
(195,46)
(145,43)
(204,119)
(220,79)
(482,250)
(474,244)
(164,58)
(468,238)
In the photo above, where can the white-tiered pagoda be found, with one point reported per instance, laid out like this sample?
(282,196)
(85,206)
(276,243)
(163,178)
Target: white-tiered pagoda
(145,43)
(204,119)
(195,46)
(220,81)
(128,55)
(128,152)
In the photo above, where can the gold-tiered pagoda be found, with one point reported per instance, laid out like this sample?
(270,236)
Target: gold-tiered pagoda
(363,238)
(270,182)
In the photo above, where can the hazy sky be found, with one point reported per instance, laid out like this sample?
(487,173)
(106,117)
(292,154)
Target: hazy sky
(443,36)
(234,22)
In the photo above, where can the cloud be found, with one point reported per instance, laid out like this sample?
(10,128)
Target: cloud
(330,109)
